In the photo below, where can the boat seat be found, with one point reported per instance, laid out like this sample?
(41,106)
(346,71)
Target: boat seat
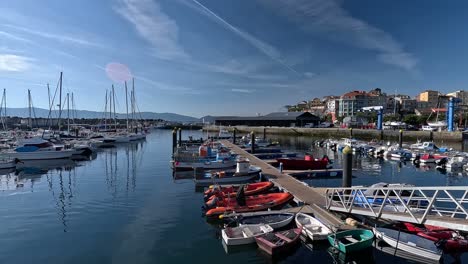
(264,229)
(313,228)
(351,239)
(247,232)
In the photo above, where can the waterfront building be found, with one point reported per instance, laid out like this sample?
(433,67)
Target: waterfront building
(429,96)
(352,102)
(461,94)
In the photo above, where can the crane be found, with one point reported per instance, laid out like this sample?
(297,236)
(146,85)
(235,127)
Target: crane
(379,110)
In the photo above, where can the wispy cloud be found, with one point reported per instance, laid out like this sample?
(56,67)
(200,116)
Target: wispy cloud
(265,48)
(154,26)
(14,37)
(14,63)
(56,37)
(329,17)
(236,90)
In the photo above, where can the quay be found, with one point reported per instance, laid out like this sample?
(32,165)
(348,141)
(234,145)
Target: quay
(364,134)
(313,199)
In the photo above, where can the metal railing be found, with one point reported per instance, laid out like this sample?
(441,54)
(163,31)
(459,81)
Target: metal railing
(420,205)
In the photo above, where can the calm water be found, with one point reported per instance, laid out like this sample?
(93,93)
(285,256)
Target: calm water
(123,206)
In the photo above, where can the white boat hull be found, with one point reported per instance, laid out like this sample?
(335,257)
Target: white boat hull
(40,155)
(321,231)
(209,165)
(407,246)
(7,164)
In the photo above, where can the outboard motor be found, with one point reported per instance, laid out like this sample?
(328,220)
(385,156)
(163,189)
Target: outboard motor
(417,159)
(240,196)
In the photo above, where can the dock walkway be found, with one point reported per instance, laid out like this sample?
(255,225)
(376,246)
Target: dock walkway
(313,198)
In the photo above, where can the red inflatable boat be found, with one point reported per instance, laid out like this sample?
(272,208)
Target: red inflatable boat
(250,204)
(231,190)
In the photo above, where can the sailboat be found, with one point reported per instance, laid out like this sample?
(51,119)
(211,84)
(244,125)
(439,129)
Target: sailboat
(439,124)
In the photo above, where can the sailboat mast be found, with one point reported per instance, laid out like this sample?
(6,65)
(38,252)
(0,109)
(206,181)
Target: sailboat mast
(115,114)
(133,101)
(105,113)
(48,93)
(126,101)
(73,108)
(29,107)
(60,103)
(68,113)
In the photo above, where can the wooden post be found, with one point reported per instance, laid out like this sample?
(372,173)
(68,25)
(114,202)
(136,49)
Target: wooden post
(431,136)
(252,141)
(180,137)
(234,136)
(381,134)
(174,140)
(351,132)
(264,133)
(347,166)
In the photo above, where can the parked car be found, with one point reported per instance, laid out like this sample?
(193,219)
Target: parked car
(428,128)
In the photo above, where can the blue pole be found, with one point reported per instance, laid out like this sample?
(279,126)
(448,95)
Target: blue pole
(379,119)
(450,112)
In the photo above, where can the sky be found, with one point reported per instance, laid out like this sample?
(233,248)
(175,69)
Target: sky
(229,57)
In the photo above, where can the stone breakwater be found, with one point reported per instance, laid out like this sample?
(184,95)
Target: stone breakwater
(363,134)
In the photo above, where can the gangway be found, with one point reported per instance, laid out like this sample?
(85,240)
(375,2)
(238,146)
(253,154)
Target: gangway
(438,206)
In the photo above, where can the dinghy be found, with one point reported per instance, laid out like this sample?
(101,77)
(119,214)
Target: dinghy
(243,203)
(351,240)
(274,219)
(279,242)
(249,189)
(409,243)
(311,227)
(242,235)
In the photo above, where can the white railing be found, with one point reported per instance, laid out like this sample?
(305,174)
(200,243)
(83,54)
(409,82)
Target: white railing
(412,204)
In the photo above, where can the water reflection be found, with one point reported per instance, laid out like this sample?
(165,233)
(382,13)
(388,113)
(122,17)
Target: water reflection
(123,159)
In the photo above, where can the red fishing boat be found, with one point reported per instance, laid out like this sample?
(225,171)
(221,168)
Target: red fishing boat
(231,190)
(217,206)
(308,163)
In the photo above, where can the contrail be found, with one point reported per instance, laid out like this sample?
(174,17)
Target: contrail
(263,47)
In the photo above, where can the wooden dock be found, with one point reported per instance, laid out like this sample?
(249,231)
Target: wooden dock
(310,197)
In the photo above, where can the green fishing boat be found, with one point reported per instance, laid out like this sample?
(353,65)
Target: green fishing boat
(351,240)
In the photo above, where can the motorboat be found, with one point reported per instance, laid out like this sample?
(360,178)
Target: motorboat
(228,177)
(37,149)
(308,163)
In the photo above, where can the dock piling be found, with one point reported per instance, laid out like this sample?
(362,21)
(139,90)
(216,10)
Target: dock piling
(347,166)
(281,167)
(264,133)
(351,133)
(234,136)
(180,137)
(252,141)
(174,140)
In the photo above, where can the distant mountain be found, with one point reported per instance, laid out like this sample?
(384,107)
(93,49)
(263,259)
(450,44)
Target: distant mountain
(44,113)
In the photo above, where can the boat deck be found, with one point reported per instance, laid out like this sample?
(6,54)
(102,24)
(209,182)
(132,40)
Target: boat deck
(313,198)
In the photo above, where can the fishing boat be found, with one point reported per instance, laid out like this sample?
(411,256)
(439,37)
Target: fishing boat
(409,243)
(274,219)
(426,146)
(401,154)
(244,173)
(311,227)
(351,240)
(223,160)
(228,177)
(242,235)
(249,189)
(216,206)
(308,163)
(278,242)
(37,149)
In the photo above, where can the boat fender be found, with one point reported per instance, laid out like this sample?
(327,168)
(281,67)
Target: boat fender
(351,222)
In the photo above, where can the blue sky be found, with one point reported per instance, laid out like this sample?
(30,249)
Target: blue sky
(198,57)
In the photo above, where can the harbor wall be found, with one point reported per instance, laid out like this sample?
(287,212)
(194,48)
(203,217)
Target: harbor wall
(364,134)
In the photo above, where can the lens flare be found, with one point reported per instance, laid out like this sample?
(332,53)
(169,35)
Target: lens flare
(118,72)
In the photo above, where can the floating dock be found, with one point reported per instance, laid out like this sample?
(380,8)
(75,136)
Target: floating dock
(313,199)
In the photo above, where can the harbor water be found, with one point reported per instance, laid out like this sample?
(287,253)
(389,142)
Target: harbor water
(123,205)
